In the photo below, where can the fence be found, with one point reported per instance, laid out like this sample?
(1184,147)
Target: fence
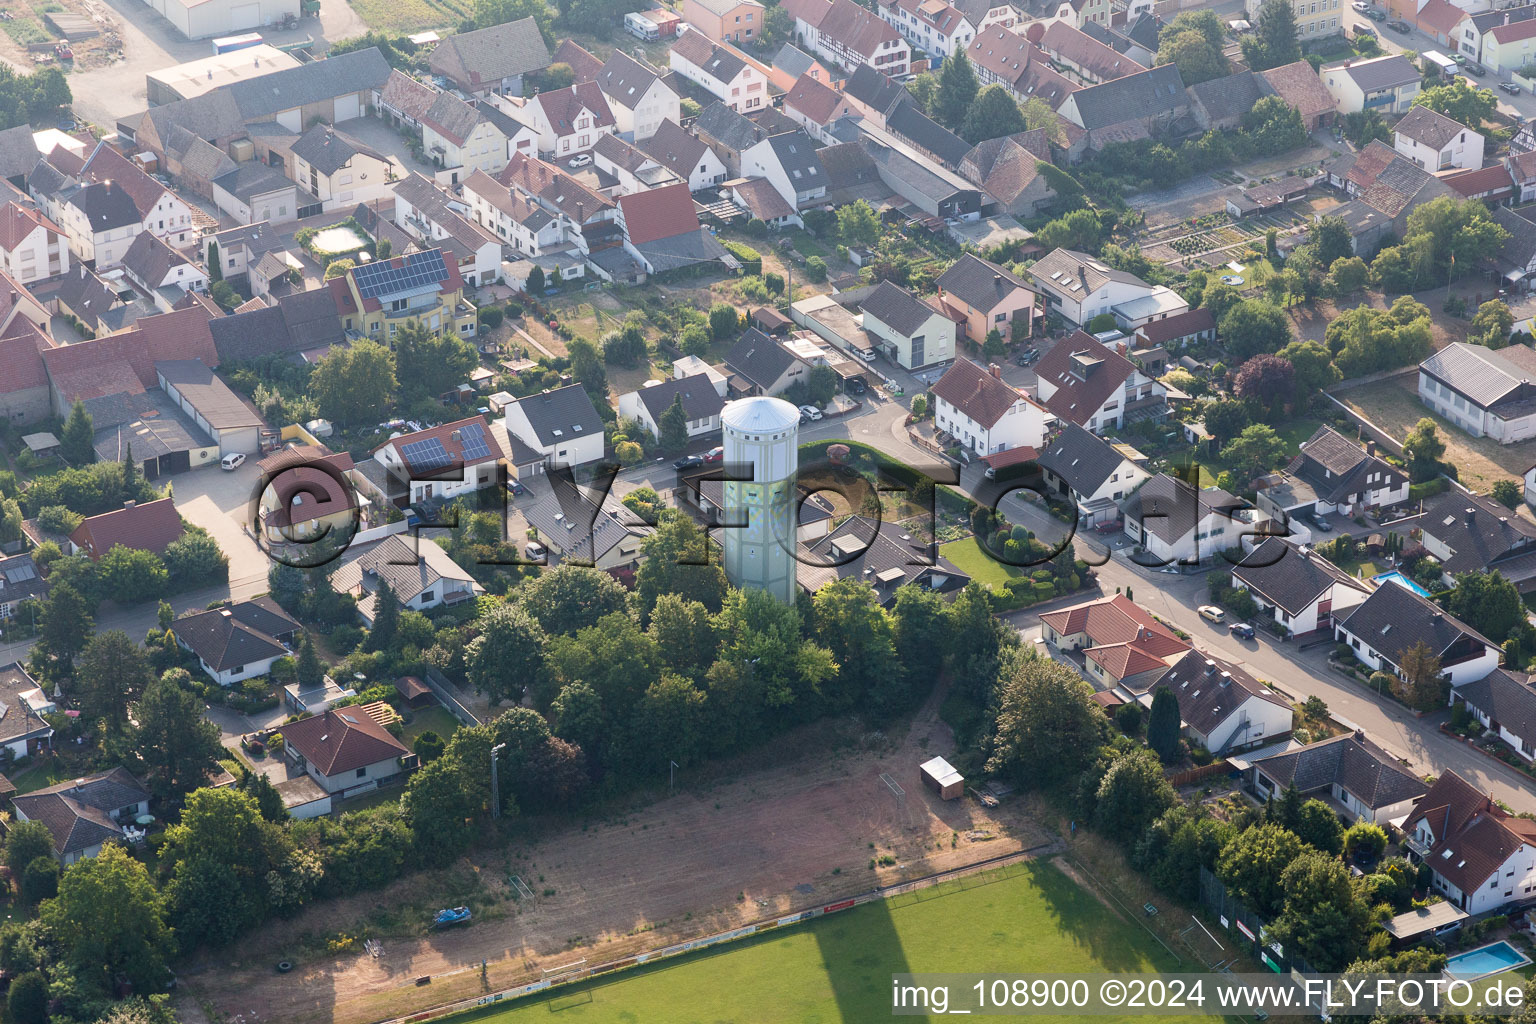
(1222,767)
(379,532)
(448,694)
(927,882)
(1246,929)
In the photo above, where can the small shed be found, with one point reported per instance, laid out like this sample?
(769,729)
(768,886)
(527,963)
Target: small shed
(940,776)
(40,443)
(1436,917)
(416,693)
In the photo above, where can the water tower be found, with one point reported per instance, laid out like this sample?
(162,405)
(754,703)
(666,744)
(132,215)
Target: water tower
(761,434)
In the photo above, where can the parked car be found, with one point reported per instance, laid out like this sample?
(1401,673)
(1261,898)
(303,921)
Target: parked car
(581,160)
(1028,357)
(1376,15)
(810,412)
(715,454)
(688,462)
(515,487)
(1322,524)
(1475,69)
(1399,26)
(856,386)
(1510,87)
(1361,6)
(1241,630)
(1211,613)
(232,461)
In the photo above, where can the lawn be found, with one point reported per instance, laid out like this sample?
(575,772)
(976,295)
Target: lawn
(971,559)
(1029,917)
(405,16)
(433,719)
(40,774)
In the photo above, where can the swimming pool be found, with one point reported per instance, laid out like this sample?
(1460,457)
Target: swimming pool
(1401,580)
(1485,961)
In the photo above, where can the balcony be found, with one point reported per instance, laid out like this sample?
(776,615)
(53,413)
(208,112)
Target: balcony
(413,312)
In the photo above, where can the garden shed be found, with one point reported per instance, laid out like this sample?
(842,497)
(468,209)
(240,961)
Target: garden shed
(940,776)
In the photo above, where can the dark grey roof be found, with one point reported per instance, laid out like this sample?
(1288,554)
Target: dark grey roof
(1394,619)
(674,148)
(577,528)
(1283,576)
(1520,250)
(259,238)
(1381,73)
(727,127)
(47,180)
(452,117)
(212,115)
(215,402)
(1142,95)
(759,358)
(700,399)
(311,318)
(979,283)
(149,259)
(106,206)
(328,150)
(1429,127)
(897,308)
(625,80)
(19,719)
(410,566)
(315,82)
(1168,508)
(485,56)
(1336,467)
(1210,690)
(86,295)
(252,179)
(848,165)
(258,332)
(687,249)
(19,580)
(926,133)
(794,61)
(1081,459)
(568,410)
(1369,773)
(1480,533)
(1507,698)
(1229,98)
(1486,377)
(77,813)
(237,635)
(881,556)
(150,422)
(796,153)
(875,90)
(18,151)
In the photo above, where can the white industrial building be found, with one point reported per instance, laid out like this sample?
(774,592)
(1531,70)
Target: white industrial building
(204,19)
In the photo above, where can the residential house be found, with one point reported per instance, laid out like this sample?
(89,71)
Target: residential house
(1480,856)
(23,729)
(986,13)
(434,219)
(32,247)
(239,640)
(1172,522)
(419,572)
(443,462)
(1133,34)
(661,232)
(1088,60)
(84,814)
(299,323)
(1487,393)
(1221,706)
(1082,381)
(462,137)
(1522,173)
(790,63)
(1508,48)
(156,267)
(762,201)
(989,298)
(637,97)
(573,528)
(849,35)
(344,750)
(491,60)
(1474,25)
(687,155)
(725,21)
(307,493)
(256,191)
(1079,287)
(238,249)
(1467,532)
(816,106)
(1299,85)
(374,299)
(591,215)
(1195,327)
(722,71)
(727,133)
(931,26)
(882,558)
(1141,104)
(1394,619)
(19,581)
(584,66)
(788,160)
(912,332)
(1491,184)
(1302,591)
(1356,774)
(1387,187)
(1437,143)
(1090,473)
(1314,18)
(568,121)
(1078,13)
(1003,57)
(1223,103)
(338,169)
(1505,703)
(561,427)
(1009,170)
(632,169)
(763,365)
(517,220)
(1347,478)
(701,399)
(983,413)
(146,526)
(1385,84)
(402,100)
(1123,645)
(1517,260)
(105,203)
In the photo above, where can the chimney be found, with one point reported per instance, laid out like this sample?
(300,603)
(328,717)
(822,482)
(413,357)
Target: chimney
(1471,516)
(129,503)
(1370,448)
(995,370)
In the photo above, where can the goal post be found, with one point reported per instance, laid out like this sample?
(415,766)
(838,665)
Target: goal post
(565,972)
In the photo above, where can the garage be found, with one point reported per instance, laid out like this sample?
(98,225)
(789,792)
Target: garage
(347,108)
(244,16)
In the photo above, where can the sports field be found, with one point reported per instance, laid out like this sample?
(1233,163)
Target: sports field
(1029,917)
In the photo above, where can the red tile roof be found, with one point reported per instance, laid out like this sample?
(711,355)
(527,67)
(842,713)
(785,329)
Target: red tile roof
(563,106)
(17,222)
(1515,32)
(21,358)
(814,99)
(1438,17)
(970,388)
(1122,660)
(1115,620)
(342,741)
(454,445)
(658,213)
(179,334)
(150,526)
(1480,181)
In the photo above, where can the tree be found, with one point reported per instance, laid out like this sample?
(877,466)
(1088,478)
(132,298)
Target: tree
(994,113)
(354,383)
(1460,101)
(428,746)
(1312,364)
(220,854)
(131,575)
(112,669)
(1346,276)
(1492,324)
(1197,58)
(1423,449)
(490,13)
(24,843)
(268,800)
(40,880)
(696,340)
(849,621)
(1255,451)
(1039,114)
(572,597)
(1225,419)
(194,558)
(66,625)
(587,368)
(77,442)
(1132,795)
(778,26)
(27,1000)
(1047,729)
(1080,229)
(1488,599)
(1268,381)
(1275,126)
(1273,41)
(507,656)
(1332,238)
(922,635)
(1252,327)
(1322,919)
(428,365)
(1508,493)
(1163,724)
(1251,866)
(1365,839)
(673,427)
(957,91)
(338,268)
(857,224)
(684,630)
(309,672)
(177,746)
(441,802)
(110,922)
(1317,825)
(534,285)
(386,618)
(1423,686)
(678,560)
(1447,237)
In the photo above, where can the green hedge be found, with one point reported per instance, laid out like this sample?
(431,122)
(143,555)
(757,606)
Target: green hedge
(1428,489)
(751,259)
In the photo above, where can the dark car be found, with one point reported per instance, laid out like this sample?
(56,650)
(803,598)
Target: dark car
(1510,87)
(1375,15)
(1475,70)
(1241,630)
(856,386)
(688,462)
(1399,26)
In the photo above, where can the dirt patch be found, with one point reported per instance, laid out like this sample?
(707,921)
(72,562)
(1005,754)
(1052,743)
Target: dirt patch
(748,848)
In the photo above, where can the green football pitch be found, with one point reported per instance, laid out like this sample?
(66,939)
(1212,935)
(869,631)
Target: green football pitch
(837,969)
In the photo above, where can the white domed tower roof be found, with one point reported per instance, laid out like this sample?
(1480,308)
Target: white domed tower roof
(760,414)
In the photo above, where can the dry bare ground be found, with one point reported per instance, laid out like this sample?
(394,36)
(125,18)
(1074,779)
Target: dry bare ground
(794,835)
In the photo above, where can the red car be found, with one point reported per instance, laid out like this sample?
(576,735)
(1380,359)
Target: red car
(714,455)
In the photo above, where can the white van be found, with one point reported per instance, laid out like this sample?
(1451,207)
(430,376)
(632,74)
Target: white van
(232,461)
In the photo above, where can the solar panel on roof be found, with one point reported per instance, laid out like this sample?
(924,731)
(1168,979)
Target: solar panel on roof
(476,444)
(428,454)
